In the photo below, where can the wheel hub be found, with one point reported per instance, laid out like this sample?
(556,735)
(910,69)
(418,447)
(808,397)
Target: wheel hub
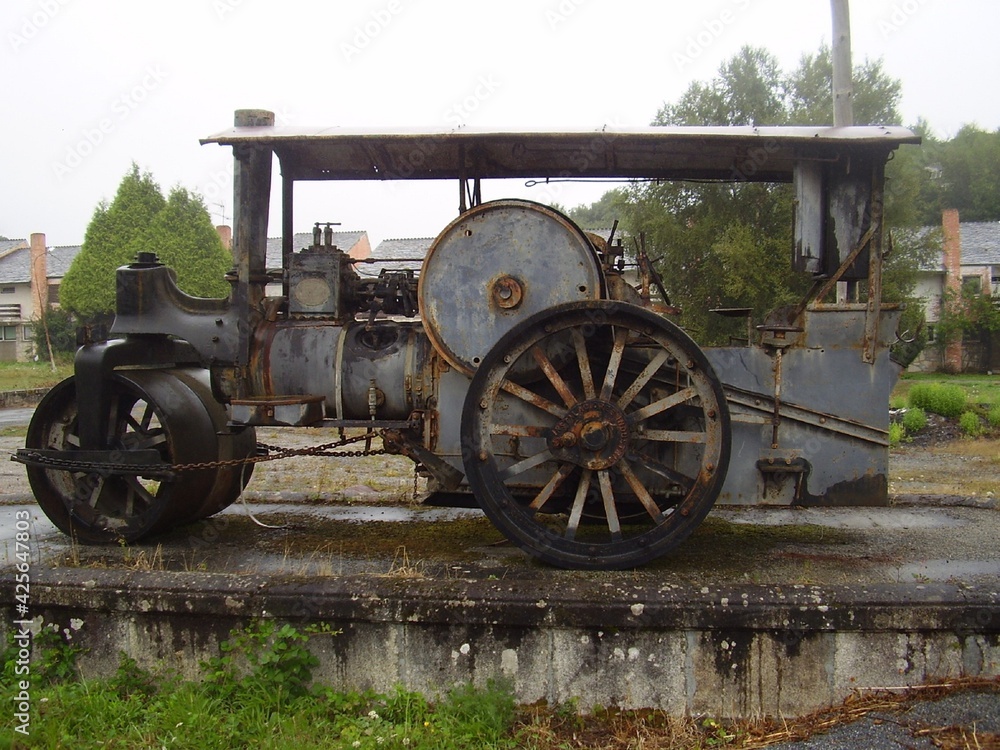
(594,435)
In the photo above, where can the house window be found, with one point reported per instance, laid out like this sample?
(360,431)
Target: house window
(930,333)
(8,289)
(26,333)
(10,333)
(972,284)
(53,294)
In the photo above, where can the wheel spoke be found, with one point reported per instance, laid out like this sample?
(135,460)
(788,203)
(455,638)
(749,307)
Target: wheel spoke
(643,378)
(95,493)
(583,360)
(522,466)
(554,377)
(530,397)
(152,439)
(147,417)
(136,489)
(663,470)
(621,333)
(581,497)
(641,492)
(675,436)
(551,486)
(610,511)
(662,405)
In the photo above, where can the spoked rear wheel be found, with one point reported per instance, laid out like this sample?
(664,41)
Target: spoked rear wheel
(598,435)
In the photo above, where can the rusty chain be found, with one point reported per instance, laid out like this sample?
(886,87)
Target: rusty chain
(326,449)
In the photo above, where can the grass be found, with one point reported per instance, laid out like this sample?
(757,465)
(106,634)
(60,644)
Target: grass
(982,390)
(19,376)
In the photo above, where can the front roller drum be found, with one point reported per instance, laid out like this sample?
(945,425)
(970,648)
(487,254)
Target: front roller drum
(597,435)
(149,410)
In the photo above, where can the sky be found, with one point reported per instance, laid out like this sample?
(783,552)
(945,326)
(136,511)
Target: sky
(94,85)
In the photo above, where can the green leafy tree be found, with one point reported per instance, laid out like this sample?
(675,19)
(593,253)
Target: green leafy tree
(178,229)
(88,289)
(970,174)
(968,313)
(601,213)
(727,245)
(183,237)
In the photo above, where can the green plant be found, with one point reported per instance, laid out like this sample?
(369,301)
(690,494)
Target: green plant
(131,680)
(896,434)
(946,400)
(914,419)
(970,424)
(54,654)
(266,659)
(993,416)
(477,717)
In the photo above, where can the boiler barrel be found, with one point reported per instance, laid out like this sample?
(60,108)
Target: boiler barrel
(343,363)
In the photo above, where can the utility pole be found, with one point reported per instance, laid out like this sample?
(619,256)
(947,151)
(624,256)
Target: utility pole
(843,87)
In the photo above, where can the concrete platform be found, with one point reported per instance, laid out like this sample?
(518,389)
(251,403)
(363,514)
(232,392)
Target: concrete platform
(831,601)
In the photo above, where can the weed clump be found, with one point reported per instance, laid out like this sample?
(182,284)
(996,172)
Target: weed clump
(896,434)
(946,400)
(970,424)
(914,420)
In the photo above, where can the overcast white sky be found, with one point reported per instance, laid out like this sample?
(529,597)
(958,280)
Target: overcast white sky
(92,85)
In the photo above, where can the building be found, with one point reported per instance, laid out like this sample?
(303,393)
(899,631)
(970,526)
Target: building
(403,254)
(970,259)
(30,274)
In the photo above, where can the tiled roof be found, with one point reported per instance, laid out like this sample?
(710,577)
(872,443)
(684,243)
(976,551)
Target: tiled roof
(400,254)
(7,245)
(980,243)
(344,240)
(15,265)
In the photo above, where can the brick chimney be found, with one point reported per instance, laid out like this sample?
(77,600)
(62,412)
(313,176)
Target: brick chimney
(39,276)
(952,279)
(226,235)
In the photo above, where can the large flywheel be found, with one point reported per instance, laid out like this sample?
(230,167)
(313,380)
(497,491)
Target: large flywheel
(597,435)
(496,265)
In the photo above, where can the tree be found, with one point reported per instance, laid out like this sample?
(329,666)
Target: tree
(183,237)
(179,230)
(602,213)
(970,174)
(88,289)
(727,245)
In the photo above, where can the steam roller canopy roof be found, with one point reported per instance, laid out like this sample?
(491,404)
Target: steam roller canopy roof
(763,154)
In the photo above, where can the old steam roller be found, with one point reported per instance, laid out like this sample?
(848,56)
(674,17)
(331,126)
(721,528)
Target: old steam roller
(523,368)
